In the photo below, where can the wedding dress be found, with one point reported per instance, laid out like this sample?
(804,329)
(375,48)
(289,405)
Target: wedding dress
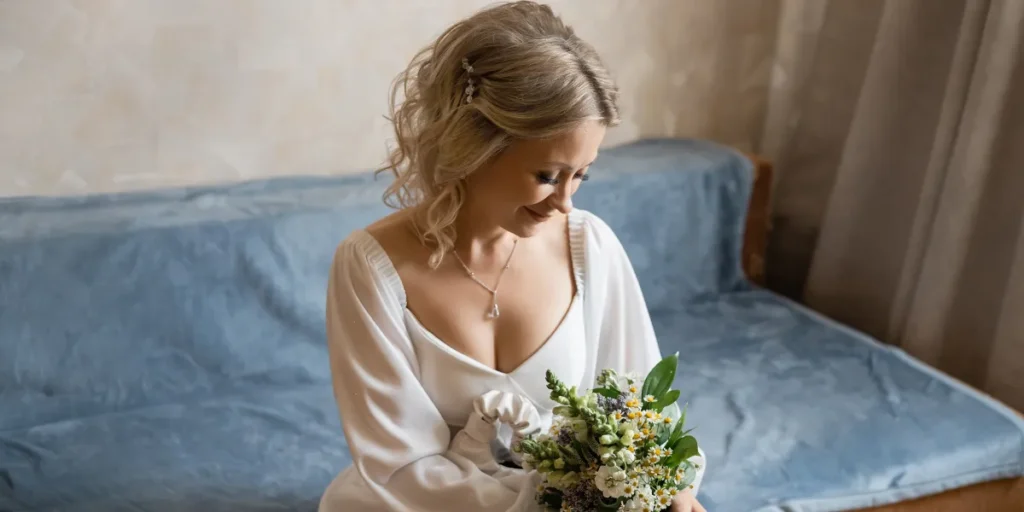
(423,420)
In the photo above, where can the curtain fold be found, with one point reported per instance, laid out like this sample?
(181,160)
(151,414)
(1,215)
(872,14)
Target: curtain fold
(900,190)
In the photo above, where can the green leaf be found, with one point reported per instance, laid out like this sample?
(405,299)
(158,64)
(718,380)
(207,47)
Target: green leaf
(661,376)
(552,498)
(666,400)
(683,449)
(608,392)
(585,455)
(677,433)
(689,446)
(689,473)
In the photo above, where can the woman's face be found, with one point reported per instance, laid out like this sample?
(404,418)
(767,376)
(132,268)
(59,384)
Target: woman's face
(533,181)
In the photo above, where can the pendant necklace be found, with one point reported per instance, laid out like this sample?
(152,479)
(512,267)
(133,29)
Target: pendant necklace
(494,311)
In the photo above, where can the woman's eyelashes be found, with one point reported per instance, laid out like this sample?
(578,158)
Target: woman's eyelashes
(552,179)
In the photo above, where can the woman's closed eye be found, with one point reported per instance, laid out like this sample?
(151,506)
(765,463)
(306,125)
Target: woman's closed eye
(552,179)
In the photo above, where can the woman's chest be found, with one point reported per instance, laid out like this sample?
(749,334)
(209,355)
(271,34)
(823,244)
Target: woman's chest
(453,380)
(531,304)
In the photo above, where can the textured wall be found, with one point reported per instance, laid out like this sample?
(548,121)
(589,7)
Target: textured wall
(104,95)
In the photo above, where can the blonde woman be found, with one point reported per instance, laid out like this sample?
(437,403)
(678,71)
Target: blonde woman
(444,316)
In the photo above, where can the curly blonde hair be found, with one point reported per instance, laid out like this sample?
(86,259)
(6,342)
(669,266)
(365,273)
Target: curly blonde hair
(513,71)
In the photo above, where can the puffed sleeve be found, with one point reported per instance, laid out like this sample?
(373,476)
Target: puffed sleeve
(618,315)
(398,439)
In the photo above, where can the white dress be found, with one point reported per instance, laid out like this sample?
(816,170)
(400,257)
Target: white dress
(403,394)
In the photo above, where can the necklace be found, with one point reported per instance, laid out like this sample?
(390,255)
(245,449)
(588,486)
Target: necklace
(494,312)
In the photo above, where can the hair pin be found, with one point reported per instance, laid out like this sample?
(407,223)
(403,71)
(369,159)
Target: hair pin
(470,87)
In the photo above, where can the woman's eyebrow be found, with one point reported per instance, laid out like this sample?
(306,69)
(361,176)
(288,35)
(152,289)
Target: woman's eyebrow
(563,165)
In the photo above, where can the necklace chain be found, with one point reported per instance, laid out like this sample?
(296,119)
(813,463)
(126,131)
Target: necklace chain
(494,312)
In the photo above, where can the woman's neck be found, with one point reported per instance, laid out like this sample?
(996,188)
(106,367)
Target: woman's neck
(477,235)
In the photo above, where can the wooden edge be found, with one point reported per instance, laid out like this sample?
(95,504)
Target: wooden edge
(758,221)
(996,496)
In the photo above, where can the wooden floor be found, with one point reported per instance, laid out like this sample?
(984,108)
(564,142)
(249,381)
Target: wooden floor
(997,496)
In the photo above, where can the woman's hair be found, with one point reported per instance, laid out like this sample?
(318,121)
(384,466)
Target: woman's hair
(514,71)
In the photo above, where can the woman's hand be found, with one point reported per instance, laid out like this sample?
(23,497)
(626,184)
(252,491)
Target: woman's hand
(686,502)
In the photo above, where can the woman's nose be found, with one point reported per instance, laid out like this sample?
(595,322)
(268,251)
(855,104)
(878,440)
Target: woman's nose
(562,198)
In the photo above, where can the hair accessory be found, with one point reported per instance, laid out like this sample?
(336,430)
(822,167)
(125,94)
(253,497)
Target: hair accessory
(471,86)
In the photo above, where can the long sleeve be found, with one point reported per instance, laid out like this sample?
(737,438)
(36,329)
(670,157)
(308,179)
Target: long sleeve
(618,313)
(398,439)
(625,336)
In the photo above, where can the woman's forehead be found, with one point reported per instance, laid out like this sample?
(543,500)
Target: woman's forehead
(575,148)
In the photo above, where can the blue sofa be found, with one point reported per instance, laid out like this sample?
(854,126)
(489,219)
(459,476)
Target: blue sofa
(164,351)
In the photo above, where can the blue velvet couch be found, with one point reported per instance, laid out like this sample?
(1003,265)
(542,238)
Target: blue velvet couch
(164,351)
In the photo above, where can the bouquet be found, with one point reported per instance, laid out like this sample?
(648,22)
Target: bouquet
(618,446)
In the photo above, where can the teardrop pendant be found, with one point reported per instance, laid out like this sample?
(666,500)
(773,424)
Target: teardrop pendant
(494,312)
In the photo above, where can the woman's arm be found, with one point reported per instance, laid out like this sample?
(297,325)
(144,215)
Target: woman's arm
(625,336)
(398,439)
(626,340)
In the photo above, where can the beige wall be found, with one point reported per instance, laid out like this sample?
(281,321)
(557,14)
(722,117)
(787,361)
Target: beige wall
(105,95)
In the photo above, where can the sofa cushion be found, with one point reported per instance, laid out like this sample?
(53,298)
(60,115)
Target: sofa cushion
(253,448)
(800,414)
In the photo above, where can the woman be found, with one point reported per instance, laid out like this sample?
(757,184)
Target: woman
(444,316)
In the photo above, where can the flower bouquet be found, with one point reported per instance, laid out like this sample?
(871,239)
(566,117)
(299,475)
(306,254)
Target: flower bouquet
(616,447)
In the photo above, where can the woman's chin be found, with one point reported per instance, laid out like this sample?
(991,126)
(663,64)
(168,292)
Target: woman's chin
(527,224)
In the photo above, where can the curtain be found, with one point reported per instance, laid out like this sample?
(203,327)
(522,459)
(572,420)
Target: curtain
(897,132)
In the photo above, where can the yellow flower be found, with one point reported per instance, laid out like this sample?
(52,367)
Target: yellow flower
(632,389)
(649,399)
(632,403)
(667,420)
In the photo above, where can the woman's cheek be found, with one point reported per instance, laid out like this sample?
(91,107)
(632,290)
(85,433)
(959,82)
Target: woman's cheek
(532,193)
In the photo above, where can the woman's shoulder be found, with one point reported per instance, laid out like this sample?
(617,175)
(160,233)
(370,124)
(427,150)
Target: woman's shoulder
(385,237)
(362,253)
(594,230)
(374,254)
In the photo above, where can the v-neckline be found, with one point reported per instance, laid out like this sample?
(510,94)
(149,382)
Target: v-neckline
(576,252)
(462,357)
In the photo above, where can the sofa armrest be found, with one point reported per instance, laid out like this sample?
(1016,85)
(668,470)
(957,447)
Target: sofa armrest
(758,221)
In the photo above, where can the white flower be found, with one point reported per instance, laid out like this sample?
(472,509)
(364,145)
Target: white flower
(611,481)
(642,500)
(624,380)
(633,505)
(627,456)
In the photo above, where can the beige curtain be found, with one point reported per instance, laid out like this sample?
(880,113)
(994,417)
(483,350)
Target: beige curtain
(897,128)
